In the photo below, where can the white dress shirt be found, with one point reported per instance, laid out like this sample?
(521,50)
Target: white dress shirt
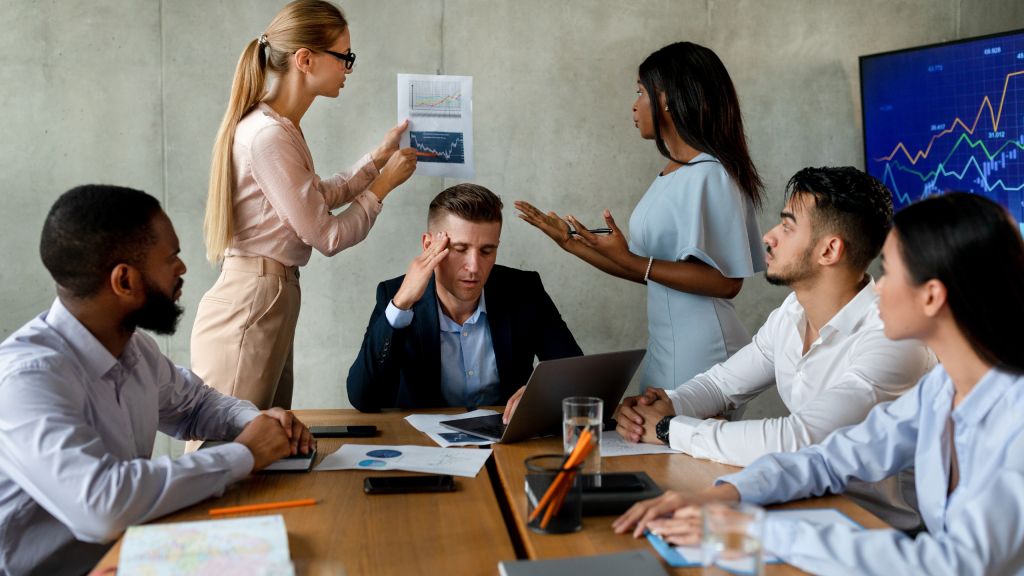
(77,427)
(978,529)
(849,369)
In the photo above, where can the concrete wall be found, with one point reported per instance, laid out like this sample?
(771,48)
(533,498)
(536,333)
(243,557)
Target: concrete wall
(131,92)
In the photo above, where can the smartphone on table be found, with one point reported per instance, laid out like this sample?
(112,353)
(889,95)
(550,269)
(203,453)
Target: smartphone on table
(406,484)
(343,431)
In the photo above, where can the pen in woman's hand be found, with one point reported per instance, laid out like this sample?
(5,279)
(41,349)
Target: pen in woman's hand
(594,231)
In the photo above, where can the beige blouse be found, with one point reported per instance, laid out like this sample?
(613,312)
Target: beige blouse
(281,207)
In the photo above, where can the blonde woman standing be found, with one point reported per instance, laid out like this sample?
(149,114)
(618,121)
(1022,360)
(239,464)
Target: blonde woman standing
(267,208)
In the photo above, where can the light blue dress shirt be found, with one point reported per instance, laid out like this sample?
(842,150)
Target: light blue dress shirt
(77,427)
(978,529)
(696,212)
(469,371)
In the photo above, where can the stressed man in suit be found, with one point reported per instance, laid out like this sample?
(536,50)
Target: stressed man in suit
(457,330)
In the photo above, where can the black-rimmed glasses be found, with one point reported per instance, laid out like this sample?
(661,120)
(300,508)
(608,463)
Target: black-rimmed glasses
(349,59)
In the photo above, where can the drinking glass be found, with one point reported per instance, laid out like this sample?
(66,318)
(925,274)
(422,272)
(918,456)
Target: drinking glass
(578,414)
(732,539)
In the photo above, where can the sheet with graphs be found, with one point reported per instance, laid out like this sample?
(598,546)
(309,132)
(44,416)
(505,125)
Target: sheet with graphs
(440,114)
(455,461)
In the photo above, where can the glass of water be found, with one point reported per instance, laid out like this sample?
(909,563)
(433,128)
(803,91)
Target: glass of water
(578,414)
(732,539)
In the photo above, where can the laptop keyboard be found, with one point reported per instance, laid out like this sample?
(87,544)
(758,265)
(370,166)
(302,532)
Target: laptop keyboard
(495,431)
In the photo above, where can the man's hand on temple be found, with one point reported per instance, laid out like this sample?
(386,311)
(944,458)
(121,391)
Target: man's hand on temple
(421,270)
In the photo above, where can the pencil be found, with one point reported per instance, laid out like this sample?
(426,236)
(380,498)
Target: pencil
(261,507)
(425,154)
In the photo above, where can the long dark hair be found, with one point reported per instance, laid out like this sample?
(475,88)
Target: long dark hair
(973,246)
(704,107)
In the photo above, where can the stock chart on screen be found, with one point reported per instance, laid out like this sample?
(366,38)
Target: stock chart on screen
(948,117)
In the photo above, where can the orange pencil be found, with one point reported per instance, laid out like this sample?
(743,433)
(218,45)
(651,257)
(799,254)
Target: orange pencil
(261,507)
(579,453)
(425,154)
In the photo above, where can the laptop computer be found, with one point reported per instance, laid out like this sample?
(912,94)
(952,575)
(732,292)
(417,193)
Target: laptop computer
(603,376)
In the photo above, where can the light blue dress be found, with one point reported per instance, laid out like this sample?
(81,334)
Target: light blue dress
(697,212)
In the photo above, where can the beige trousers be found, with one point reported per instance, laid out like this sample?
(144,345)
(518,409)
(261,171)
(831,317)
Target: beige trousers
(243,337)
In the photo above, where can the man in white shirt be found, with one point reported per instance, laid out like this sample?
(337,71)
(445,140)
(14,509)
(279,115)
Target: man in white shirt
(824,348)
(83,393)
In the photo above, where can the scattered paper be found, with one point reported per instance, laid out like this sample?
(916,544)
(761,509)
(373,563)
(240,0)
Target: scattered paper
(440,114)
(430,424)
(612,444)
(681,556)
(455,461)
(239,547)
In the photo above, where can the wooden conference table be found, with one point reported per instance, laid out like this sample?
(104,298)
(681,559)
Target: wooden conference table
(466,532)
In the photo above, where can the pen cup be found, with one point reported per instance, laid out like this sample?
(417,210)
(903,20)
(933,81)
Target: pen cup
(553,495)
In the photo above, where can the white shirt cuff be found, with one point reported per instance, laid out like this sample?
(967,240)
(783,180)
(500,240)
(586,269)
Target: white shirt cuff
(237,456)
(680,433)
(398,318)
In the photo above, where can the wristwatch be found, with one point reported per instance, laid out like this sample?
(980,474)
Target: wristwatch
(662,428)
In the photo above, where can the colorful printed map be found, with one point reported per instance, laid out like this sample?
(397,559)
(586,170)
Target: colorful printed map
(239,547)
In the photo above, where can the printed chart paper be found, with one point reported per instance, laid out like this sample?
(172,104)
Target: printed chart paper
(680,556)
(612,444)
(430,424)
(440,114)
(239,547)
(454,461)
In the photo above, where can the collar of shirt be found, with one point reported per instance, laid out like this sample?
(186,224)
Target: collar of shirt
(449,325)
(979,401)
(91,355)
(846,320)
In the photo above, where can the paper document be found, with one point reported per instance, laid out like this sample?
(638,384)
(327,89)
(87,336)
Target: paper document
(430,424)
(614,445)
(440,114)
(238,547)
(454,461)
(679,556)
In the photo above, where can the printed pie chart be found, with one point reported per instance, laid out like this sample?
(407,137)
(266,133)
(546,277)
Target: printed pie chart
(384,453)
(373,463)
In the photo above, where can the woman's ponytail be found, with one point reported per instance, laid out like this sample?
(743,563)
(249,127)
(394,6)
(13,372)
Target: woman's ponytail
(246,90)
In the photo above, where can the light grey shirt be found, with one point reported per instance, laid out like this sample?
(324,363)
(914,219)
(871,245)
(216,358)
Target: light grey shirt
(77,427)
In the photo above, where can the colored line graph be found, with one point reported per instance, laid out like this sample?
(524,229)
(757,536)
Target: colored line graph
(986,102)
(913,100)
(449,146)
(435,99)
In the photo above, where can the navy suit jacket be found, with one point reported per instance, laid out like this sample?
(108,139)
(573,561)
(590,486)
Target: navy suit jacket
(402,368)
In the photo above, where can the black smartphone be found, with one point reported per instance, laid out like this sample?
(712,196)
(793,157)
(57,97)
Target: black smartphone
(402,484)
(612,483)
(343,431)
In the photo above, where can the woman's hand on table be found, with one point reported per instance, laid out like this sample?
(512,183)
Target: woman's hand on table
(684,528)
(550,224)
(643,514)
(389,146)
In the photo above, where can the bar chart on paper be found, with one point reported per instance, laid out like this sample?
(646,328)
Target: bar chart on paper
(948,118)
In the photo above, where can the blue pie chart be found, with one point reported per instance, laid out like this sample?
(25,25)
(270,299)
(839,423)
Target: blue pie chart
(384,453)
(373,463)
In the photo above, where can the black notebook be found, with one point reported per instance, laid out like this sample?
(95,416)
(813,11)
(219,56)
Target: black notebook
(638,562)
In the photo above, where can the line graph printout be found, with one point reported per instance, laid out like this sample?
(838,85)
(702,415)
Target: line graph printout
(440,114)
(948,118)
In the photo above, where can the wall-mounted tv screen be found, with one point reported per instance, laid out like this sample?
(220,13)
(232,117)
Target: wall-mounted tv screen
(948,117)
